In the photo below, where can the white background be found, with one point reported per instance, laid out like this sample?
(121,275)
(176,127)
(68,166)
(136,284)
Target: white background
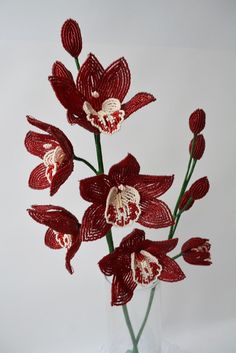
(184,53)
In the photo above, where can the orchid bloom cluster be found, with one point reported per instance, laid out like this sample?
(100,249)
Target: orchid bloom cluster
(123,196)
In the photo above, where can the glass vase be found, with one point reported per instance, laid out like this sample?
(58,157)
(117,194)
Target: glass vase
(136,326)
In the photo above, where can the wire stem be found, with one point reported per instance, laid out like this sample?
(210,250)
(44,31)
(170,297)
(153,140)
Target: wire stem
(130,328)
(152,293)
(87,163)
(189,172)
(77,63)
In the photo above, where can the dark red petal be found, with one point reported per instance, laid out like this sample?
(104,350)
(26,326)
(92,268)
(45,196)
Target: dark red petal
(199,259)
(71,37)
(56,133)
(186,200)
(115,81)
(106,264)
(88,79)
(193,243)
(116,263)
(94,225)
(61,176)
(82,121)
(55,217)
(58,69)
(38,144)
(199,188)
(122,289)
(67,94)
(95,189)
(197,121)
(122,171)
(50,240)
(171,272)
(161,247)
(71,253)
(150,186)
(131,240)
(155,214)
(199,147)
(37,179)
(138,101)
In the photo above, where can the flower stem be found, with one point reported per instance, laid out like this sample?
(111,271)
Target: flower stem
(97,139)
(176,256)
(130,328)
(87,163)
(101,171)
(189,172)
(152,293)
(181,211)
(77,63)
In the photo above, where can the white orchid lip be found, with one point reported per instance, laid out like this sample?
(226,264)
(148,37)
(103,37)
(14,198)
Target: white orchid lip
(64,240)
(107,120)
(52,160)
(145,268)
(122,205)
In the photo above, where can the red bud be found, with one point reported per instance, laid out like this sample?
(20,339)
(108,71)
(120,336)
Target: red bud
(197,121)
(184,200)
(196,251)
(199,188)
(199,147)
(71,38)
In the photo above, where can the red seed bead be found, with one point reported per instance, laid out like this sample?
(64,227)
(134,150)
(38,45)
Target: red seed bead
(197,121)
(199,147)
(199,188)
(71,38)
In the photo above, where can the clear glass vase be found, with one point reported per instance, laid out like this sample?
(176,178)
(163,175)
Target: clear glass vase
(136,327)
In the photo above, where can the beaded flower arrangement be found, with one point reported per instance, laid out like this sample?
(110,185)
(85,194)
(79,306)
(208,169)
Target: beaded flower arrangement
(95,101)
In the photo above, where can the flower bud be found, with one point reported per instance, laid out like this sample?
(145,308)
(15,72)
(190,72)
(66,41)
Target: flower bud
(186,199)
(199,188)
(71,38)
(199,147)
(197,121)
(196,251)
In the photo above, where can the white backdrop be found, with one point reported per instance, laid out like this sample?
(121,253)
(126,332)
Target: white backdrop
(184,53)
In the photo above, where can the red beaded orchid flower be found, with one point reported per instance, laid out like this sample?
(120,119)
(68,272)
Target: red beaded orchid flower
(57,154)
(123,197)
(196,251)
(95,102)
(139,262)
(63,229)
